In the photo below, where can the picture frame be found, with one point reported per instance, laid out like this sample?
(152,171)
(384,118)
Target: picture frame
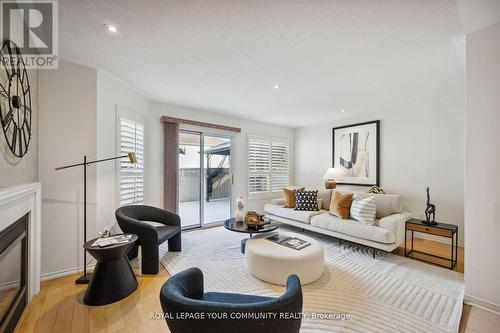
(355,153)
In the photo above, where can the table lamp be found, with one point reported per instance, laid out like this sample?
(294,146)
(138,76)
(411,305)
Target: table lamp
(330,176)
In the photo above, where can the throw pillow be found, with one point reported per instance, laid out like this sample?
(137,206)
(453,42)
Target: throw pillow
(320,203)
(290,197)
(340,205)
(306,200)
(363,210)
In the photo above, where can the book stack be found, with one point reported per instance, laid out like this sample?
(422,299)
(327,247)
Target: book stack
(291,242)
(120,239)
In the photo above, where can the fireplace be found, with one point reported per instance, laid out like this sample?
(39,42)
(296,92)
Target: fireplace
(13,273)
(20,231)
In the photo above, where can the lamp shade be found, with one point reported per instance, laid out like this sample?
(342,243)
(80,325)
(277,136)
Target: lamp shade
(332,173)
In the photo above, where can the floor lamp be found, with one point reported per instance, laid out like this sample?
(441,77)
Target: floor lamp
(85,278)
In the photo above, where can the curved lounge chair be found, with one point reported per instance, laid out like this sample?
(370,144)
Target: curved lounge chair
(182,296)
(134,220)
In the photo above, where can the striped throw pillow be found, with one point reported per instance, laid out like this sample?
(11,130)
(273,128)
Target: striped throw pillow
(363,210)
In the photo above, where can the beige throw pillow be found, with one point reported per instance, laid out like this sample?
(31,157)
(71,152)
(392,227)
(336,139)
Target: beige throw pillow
(340,205)
(290,197)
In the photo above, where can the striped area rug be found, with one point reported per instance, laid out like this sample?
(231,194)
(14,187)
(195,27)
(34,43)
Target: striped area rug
(386,294)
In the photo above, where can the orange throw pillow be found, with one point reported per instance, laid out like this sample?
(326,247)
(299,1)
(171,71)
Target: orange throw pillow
(290,197)
(340,205)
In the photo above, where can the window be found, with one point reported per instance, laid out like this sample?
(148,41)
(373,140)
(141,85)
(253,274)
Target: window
(268,165)
(131,175)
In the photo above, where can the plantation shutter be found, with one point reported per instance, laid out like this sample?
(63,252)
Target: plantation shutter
(280,160)
(268,165)
(259,179)
(131,175)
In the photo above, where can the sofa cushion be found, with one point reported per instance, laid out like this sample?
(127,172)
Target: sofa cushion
(278,201)
(290,213)
(353,228)
(325,196)
(281,202)
(387,204)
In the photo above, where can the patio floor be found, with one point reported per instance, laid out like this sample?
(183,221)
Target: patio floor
(215,211)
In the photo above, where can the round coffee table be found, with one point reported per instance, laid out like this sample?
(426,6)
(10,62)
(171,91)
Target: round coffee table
(235,226)
(273,263)
(113,279)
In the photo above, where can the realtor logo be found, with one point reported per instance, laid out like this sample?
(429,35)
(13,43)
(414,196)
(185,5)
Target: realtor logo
(32,25)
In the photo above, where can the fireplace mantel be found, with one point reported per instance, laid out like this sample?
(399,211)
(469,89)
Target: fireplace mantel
(15,202)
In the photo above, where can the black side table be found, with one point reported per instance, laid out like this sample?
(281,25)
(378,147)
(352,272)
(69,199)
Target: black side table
(113,279)
(440,229)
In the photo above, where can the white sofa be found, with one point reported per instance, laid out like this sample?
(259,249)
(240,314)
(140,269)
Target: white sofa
(386,234)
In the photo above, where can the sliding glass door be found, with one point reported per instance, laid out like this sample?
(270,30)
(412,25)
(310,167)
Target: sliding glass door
(217,179)
(204,178)
(189,179)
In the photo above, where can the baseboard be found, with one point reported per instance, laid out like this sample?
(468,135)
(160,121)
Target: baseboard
(9,285)
(435,238)
(480,303)
(63,273)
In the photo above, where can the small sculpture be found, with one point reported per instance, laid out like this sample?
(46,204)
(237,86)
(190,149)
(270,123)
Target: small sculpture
(376,190)
(238,217)
(430,210)
(253,220)
(105,233)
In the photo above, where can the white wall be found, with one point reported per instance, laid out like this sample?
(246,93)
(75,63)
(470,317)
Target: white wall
(14,170)
(78,116)
(482,165)
(67,133)
(239,155)
(78,109)
(110,94)
(420,146)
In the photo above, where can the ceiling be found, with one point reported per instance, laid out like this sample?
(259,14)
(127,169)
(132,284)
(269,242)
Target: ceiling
(478,14)
(227,56)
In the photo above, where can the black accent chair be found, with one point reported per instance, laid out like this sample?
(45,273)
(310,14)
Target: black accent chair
(183,295)
(131,219)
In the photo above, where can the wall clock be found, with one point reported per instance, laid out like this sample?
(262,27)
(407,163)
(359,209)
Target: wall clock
(15,99)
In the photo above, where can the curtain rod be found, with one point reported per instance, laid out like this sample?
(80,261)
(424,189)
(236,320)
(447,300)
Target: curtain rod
(166,119)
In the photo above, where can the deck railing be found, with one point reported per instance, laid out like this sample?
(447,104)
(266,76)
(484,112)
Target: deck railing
(189,185)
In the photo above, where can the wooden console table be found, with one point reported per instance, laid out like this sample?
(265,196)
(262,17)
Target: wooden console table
(440,229)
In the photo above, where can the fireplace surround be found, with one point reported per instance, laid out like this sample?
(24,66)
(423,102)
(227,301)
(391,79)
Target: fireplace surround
(20,227)
(13,273)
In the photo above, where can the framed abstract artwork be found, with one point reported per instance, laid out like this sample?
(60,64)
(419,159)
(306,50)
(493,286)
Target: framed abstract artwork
(356,153)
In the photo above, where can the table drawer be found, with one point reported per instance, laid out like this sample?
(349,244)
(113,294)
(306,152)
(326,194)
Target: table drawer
(430,230)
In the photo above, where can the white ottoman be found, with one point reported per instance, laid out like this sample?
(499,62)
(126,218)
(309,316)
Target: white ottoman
(273,263)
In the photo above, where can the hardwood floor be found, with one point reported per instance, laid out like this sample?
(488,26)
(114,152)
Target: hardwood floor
(59,307)
(6,298)
(436,248)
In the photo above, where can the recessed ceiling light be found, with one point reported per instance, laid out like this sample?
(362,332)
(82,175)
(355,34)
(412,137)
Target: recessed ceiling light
(276,86)
(343,111)
(110,28)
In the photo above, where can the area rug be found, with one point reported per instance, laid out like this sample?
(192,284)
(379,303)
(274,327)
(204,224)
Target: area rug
(356,293)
